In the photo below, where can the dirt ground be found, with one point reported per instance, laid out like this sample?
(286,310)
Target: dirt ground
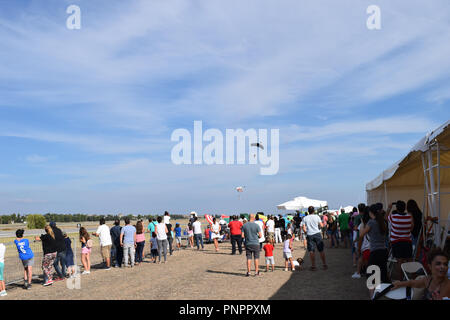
(192,274)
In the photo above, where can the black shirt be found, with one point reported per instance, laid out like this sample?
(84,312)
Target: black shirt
(115,234)
(169,229)
(297,221)
(417,216)
(282,224)
(49,244)
(60,243)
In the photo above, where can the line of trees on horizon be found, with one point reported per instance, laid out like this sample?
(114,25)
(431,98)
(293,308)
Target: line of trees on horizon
(78,217)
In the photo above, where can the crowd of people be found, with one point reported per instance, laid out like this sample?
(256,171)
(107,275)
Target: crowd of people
(370,233)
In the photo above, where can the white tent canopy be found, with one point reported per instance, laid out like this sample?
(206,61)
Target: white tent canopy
(347,209)
(300,203)
(290,205)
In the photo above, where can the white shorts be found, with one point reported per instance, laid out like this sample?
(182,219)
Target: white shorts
(270,260)
(287,255)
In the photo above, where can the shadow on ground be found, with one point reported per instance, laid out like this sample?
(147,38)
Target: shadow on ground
(332,284)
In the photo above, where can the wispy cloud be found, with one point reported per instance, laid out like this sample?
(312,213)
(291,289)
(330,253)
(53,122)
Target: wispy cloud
(360,127)
(34,158)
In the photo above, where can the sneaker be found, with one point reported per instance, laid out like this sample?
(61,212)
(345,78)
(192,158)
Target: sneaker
(356,276)
(109,268)
(29,286)
(286,269)
(58,279)
(3,293)
(257,274)
(248,274)
(48,283)
(86,272)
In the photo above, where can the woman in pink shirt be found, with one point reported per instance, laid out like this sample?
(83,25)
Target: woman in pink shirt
(140,242)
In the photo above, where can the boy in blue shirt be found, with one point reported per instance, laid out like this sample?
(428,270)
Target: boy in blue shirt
(26,255)
(178,236)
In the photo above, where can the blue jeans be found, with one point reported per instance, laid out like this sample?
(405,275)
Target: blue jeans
(198,237)
(139,251)
(118,254)
(60,258)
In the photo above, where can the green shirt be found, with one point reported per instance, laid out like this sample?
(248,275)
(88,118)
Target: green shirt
(343,221)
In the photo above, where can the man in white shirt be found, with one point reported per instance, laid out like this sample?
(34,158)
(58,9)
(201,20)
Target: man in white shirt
(198,235)
(260,223)
(270,225)
(312,225)
(105,242)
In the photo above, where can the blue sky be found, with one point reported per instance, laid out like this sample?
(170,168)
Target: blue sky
(86,115)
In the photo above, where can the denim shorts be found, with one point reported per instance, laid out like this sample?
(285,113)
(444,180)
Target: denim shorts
(2,267)
(28,263)
(252,250)
(270,260)
(313,241)
(287,255)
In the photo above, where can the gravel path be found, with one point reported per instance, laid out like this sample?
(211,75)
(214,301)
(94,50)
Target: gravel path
(192,274)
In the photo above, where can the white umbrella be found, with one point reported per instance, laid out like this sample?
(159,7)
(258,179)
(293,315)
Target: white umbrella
(300,203)
(306,202)
(290,205)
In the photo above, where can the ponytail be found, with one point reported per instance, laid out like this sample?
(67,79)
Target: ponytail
(379,218)
(49,231)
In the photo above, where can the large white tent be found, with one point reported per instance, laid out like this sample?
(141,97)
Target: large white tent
(300,203)
(423,175)
(290,205)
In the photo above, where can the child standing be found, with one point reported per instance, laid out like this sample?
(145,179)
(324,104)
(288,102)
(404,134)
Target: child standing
(69,256)
(190,231)
(287,253)
(154,247)
(178,236)
(26,255)
(268,249)
(2,267)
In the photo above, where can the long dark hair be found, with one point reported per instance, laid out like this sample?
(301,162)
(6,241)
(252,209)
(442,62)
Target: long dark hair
(413,208)
(379,218)
(139,227)
(366,216)
(84,234)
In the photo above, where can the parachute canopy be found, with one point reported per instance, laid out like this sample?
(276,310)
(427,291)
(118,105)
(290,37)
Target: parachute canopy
(257,144)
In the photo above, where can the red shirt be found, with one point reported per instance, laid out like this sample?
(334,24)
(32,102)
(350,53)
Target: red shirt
(268,248)
(235,227)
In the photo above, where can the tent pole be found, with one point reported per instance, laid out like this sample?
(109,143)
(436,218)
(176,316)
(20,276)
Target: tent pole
(439,186)
(385,196)
(433,193)
(426,202)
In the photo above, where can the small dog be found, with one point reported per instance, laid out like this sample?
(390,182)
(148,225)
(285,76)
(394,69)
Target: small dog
(299,264)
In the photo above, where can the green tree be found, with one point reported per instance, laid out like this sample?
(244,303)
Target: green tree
(36,221)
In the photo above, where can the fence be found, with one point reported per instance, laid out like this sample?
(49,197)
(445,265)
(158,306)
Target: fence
(14,272)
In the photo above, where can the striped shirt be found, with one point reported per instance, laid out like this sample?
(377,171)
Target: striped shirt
(400,227)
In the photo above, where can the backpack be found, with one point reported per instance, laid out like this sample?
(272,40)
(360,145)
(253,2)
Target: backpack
(89,244)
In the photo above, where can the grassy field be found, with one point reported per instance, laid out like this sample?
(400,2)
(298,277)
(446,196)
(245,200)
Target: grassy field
(90,226)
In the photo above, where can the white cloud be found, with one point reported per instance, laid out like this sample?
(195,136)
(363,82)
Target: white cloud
(34,158)
(380,127)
